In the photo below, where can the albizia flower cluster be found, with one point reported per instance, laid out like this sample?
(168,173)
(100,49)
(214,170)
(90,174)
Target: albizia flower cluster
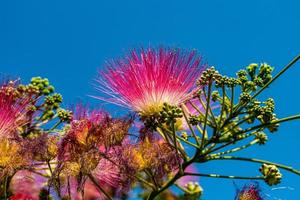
(188,116)
(12,153)
(249,192)
(87,153)
(146,79)
(92,156)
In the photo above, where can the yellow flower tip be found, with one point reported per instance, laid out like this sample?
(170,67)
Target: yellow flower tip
(10,156)
(81,136)
(71,169)
(52,147)
(150,109)
(136,158)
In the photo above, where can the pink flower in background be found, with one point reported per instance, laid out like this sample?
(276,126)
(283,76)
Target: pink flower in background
(249,192)
(108,173)
(186,179)
(146,79)
(21,196)
(27,185)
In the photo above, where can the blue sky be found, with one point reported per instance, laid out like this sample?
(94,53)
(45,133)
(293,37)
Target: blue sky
(67,41)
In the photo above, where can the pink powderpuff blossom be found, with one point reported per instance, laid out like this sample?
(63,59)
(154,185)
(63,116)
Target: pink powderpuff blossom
(146,79)
(11,110)
(27,185)
(249,192)
(92,146)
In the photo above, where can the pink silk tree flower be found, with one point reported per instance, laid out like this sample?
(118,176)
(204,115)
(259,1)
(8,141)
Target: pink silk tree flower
(11,110)
(28,184)
(146,79)
(249,192)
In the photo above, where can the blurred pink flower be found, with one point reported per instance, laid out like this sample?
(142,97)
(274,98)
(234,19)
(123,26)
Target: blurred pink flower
(146,79)
(28,184)
(186,179)
(21,196)
(249,192)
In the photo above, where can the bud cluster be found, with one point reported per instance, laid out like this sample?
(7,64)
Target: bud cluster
(168,115)
(208,75)
(193,190)
(271,173)
(254,76)
(264,112)
(37,86)
(64,115)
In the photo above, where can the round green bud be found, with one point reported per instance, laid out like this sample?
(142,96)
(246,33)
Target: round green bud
(271,173)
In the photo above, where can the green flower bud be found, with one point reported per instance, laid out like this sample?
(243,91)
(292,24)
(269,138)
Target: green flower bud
(64,115)
(249,85)
(57,97)
(48,115)
(215,95)
(184,135)
(271,174)
(194,188)
(261,137)
(208,75)
(194,120)
(252,69)
(45,91)
(245,97)
(51,88)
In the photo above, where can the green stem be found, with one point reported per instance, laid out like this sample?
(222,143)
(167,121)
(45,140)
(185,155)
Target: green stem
(178,175)
(133,176)
(211,114)
(144,181)
(162,134)
(231,142)
(50,168)
(223,105)
(288,168)
(271,81)
(184,109)
(150,175)
(99,187)
(178,148)
(236,149)
(270,123)
(231,100)
(55,125)
(174,135)
(277,76)
(206,115)
(225,176)
(5,187)
(195,107)
(187,142)
(38,173)
(239,123)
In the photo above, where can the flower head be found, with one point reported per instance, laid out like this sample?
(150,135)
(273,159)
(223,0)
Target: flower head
(154,155)
(12,156)
(11,109)
(28,184)
(146,79)
(249,192)
(91,146)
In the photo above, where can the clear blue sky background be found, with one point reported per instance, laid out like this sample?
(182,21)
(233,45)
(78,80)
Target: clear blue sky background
(67,41)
